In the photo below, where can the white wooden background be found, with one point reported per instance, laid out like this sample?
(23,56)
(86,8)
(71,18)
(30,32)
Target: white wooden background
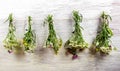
(44,59)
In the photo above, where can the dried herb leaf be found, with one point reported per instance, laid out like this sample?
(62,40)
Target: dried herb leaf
(102,41)
(52,41)
(29,39)
(10,42)
(76,41)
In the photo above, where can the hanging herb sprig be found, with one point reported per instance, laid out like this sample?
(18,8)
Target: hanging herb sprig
(10,42)
(53,41)
(102,41)
(29,39)
(76,41)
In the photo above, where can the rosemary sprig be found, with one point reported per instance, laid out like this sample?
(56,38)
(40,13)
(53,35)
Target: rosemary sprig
(102,41)
(10,42)
(52,41)
(29,40)
(76,41)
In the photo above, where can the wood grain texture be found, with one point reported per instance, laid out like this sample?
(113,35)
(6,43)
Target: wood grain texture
(44,59)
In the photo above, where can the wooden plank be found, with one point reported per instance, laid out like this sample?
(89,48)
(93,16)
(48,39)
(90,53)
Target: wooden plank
(44,59)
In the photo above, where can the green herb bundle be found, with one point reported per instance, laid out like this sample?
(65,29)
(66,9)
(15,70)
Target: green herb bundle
(10,42)
(52,41)
(29,39)
(102,42)
(76,41)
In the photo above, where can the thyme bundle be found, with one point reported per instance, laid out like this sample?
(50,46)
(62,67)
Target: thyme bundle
(10,42)
(53,41)
(102,41)
(76,41)
(29,40)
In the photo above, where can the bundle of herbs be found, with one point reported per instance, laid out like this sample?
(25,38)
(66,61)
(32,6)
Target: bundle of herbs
(102,41)
(53,41)
(76,42)
(10,42)
(29,40)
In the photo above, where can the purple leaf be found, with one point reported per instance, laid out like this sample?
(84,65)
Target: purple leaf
(74,57)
